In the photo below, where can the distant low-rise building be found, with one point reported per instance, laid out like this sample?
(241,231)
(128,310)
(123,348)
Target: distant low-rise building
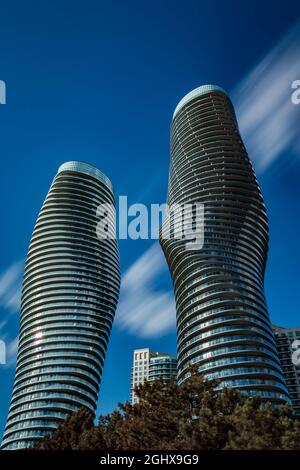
(288,345)
(149,366)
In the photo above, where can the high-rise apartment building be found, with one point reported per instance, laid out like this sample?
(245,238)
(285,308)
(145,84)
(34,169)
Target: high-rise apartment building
(288,346)
(69,297)
(223,324)
(149,366)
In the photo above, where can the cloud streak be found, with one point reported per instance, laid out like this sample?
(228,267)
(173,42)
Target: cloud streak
(268,120)
(10,286)
(11,352)
(10,297)
(145,310)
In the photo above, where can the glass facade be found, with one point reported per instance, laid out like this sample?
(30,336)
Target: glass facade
(162,367)
(69,297)
(223,324)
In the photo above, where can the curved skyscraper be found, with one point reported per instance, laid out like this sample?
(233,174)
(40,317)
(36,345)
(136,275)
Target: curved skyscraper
(223,324)
(69,297)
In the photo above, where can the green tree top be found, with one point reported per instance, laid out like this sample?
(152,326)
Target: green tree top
(190,416)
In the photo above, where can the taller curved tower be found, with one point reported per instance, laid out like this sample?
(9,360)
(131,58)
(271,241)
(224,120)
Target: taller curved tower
(222,321)
(69,297)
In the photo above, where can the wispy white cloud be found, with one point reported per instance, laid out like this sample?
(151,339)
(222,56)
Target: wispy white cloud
(145,309)
(10,286)
(10,295)
(268,120)
(11,352)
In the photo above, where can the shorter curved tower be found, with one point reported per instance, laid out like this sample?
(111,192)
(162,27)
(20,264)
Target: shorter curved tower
(69,297)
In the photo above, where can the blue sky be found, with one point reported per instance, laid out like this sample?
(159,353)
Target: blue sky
(98,82)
